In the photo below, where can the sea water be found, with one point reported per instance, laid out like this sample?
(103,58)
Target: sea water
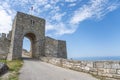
(111,58)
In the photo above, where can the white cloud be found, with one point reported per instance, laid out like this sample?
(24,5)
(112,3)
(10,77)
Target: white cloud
(54,11)
(58,16)
(48,6)
(49,27)
(6,16)
(95,8)
(5,20)
(54,1)
(113,6)
(63,29)
(60,28)
(73,4)
(70,0)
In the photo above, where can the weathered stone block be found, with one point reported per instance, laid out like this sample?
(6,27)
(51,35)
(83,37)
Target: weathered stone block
(105,75)
(118,71)
(101,70)
(98,65)
(93,69)
(83,63)
(90,64)
(115,65)
(94,73)
(108,75)
(108,65)
(110,71)
(116,76)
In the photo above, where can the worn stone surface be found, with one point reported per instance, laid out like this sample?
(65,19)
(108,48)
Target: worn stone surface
(118,71)
(3,68)
(32,27)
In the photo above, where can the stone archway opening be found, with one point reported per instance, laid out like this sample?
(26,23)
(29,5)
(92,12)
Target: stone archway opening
(28,48)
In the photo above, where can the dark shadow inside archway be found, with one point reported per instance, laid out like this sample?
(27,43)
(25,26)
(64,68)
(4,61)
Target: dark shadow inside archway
(28,49)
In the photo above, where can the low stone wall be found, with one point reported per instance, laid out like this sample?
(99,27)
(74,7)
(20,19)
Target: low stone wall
(109,69)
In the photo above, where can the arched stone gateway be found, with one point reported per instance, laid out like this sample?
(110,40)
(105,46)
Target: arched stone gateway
(32,27)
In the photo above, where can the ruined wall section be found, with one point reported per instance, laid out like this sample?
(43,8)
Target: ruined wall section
(55,48)
(62,52)
(51,47)
(105,70)
(4,43)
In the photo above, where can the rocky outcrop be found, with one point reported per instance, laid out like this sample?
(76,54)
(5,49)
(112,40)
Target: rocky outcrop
(3,68)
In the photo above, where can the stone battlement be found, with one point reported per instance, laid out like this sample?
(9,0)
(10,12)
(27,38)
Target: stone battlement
(3,35)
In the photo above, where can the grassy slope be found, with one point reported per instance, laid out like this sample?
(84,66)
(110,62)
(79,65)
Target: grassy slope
(14,67)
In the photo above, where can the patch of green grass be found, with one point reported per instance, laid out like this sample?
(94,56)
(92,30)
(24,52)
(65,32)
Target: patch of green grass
(14,67)
(4,61)
(14,76)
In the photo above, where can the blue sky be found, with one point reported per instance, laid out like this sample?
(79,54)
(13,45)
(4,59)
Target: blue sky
(90,27)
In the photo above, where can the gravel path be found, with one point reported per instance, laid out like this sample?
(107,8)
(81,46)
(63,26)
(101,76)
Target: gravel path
(37,70)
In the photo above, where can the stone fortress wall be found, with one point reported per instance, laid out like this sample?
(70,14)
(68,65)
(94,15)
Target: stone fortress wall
(4,43)
(55,48)
(23,23)
(107,70)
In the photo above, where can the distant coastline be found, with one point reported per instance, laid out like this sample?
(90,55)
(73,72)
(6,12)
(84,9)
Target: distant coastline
(110,58)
